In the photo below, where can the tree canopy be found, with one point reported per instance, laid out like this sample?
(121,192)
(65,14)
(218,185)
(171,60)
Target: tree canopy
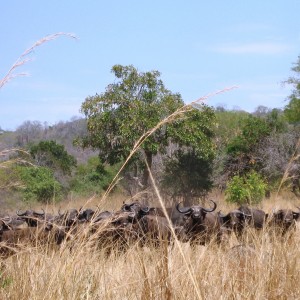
(134,104)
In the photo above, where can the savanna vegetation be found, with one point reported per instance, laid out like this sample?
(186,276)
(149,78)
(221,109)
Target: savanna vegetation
(139,140)
(137,126)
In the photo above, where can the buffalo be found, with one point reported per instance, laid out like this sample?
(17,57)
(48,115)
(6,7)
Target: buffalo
(284,220)
(86,215)
(238,220)
(201,224)
(150,224)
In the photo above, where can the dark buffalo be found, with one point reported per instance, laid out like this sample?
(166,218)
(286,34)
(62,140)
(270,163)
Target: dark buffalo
(15,234)
(12,223)
(58,225)
(201,224)
(154,229)
(113,231)
(62,224)
(150,224)
(5,224)
(284,220)
(137,208)
(238,220)
(86,215)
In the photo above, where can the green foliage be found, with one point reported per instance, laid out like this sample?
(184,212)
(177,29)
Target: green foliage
(52,155)
(276,120)
(92,177)
(292,109)
(228,125)
(128,108)
(187,175)
(195,131)
(248,189)
(39,184)
(131,106)
(253,129)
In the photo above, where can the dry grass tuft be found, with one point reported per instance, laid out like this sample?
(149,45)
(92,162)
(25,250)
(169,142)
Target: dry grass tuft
(24,59)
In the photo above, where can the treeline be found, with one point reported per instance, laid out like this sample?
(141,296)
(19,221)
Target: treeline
(30,132)
(185,150)
(255,153)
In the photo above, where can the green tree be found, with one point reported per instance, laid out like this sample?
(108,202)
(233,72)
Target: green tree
(52,155)
(187,175)
(241,151)
(92,177)
(248,189)
(135,103)
(292,109)
(39,184)
(252,131)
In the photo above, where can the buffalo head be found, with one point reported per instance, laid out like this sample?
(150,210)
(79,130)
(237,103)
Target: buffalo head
(196,211)
(285,218)
(139,210)
(86,215)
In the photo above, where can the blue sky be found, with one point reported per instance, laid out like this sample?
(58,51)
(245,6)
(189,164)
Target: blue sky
(198,46)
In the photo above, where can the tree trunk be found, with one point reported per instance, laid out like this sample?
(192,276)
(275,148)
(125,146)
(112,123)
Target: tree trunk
(148,158)
(187,199)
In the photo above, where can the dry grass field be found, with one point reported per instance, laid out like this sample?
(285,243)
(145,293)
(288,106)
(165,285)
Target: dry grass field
(263,267)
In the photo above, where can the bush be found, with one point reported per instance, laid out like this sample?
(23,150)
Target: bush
(92,177)
(187,175)
(249,189)
(39,184)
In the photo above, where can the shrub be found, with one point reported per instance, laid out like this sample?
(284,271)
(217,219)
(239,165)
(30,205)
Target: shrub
(92,177)
(248,189)
(39,184)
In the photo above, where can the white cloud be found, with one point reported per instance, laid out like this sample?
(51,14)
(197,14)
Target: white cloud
(253,48)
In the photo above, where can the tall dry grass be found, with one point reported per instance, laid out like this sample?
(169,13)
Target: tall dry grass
(265,267)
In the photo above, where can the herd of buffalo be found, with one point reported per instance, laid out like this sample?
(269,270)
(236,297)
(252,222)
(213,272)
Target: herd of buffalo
(139,224)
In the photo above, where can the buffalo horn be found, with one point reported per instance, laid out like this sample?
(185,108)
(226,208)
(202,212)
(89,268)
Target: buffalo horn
(21,214)
(221,215)
(212,209)
(185,210)
(40,214)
